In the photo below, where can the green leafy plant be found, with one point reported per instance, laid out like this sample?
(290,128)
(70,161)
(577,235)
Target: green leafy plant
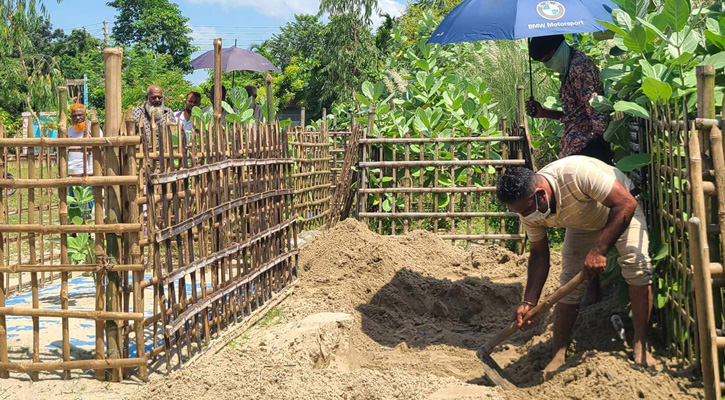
(81,247)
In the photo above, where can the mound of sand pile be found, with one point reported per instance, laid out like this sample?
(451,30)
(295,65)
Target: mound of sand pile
(378,317)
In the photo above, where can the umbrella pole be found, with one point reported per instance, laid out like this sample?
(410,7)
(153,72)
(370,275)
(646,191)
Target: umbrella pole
(531,76)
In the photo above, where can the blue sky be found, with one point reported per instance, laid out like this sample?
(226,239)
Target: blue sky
(247,21)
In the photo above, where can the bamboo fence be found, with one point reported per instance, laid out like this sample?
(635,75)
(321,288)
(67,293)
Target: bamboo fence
(221,218)
(43,182)
(684,193)
(340,142)
(210,217)
(312,185)
(458,210)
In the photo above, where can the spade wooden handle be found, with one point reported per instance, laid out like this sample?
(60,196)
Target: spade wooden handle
(543,306)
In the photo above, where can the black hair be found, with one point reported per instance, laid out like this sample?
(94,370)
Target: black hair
(251,91)
(516,183)
(224,93)
(541,46)
(195,94)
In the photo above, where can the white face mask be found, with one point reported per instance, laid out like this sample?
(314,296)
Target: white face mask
(537,215)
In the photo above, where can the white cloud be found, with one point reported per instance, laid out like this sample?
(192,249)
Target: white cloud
(391,7)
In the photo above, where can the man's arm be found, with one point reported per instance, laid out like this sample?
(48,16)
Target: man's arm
(534,109)
(538,271)
(622,206)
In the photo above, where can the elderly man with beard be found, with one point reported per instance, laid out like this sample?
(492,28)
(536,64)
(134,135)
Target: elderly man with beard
(152,109)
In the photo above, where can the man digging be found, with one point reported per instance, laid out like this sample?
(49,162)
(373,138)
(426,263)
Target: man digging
(592,201)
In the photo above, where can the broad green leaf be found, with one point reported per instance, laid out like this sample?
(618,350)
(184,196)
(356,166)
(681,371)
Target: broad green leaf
(715,39)
(661,253)
(387,204)
(363,100)
(656,90)
(485,124)
(601,104)
(469,108)
(631,108)
(612,27)
(682,42)
(226,107)
(634,161)
(636,39)
(623,19)
(716,60)
(368,89)
(647,69)
(247,114)
(677,13)
(635,8)
(77,220)
(652,28)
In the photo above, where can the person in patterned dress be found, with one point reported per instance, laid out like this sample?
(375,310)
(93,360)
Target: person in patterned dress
(583,126)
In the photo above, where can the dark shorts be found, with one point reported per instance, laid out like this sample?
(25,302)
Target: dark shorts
(599,149)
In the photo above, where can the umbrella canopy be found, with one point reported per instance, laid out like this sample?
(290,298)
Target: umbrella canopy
(474,20)
(235,59)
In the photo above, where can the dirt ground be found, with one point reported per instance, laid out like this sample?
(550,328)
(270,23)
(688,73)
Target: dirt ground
(400,318)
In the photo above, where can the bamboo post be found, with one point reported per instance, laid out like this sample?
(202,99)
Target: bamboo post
(136,256)
(99,247)
(63,216)
(302,118)
(362,178)
(32,253)
(270,98)
(114,119)
(700,255)
(4,285)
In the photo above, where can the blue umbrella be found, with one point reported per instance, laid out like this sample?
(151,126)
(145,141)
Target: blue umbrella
(474,20)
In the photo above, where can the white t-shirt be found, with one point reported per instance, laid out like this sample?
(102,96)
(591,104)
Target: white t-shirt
(75,157)
(186,125)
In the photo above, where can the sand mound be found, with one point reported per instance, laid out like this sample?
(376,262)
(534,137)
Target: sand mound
(399,318)
(593,375)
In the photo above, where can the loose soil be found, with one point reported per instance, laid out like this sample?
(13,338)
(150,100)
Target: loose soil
(400,318)
(379,317)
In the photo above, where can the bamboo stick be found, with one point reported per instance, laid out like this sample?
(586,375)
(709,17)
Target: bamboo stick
(441,163)
(66,182)
(699,252)
(33,257)
(46,142)
(63,214)
(4,284)
(454,139)
(69,365)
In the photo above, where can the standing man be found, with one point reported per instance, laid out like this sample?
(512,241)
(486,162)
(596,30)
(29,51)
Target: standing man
(583,126)
(193,99)
(252,93)
(211,106)
(592,201)
(79,164)
(153,109)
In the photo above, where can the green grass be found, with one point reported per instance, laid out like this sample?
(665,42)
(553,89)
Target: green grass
(274,317)
(238,342)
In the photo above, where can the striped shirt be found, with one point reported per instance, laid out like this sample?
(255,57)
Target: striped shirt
(580,185)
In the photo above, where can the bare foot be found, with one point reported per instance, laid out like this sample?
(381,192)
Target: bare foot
(554,365)
(642,356)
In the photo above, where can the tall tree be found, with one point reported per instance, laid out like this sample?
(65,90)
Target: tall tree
(156,25)
(350,46)
(28,72)
(299,38)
